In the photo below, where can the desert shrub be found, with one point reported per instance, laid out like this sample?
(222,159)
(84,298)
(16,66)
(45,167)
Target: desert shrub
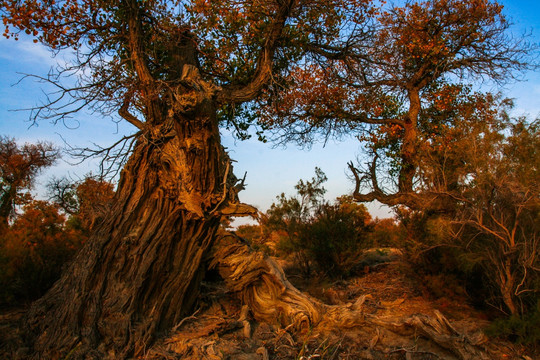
(33,251)
(251,233)
(335,237)
(438,262)
(316,233)
(385,233)
(523,329)
(256,238)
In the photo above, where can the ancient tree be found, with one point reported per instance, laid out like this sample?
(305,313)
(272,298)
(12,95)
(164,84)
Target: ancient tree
(176,71)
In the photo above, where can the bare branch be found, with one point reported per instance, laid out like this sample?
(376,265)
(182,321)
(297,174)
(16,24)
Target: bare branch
(126,115)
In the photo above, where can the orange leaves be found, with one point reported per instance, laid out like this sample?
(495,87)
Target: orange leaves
(18,167)
(436,30)
(34,249)
(383,136)
(312,96)
(56,24)
(445,97)
(95,198)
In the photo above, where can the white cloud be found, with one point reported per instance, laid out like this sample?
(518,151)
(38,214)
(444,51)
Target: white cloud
(25,50)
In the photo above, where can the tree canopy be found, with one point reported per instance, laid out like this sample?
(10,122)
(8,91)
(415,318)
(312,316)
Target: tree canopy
(129,55)
(394,87)
(19,166)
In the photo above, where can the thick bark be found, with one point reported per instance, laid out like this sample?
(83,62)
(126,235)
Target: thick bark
(139,272)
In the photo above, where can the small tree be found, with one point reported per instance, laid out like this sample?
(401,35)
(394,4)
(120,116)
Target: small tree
(336,235)
(87,201)
(386,232)
(289,217)
(19,166)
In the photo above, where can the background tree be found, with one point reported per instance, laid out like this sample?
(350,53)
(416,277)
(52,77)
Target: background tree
(491,225)
(33,251)
(496,217)
(175,71)
(87,201)
(19,166)
(417,56)
(443,157)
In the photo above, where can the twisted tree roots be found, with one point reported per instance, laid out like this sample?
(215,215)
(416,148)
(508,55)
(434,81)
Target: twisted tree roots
(262,286)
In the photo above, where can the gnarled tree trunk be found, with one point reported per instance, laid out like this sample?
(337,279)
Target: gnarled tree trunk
(139,272)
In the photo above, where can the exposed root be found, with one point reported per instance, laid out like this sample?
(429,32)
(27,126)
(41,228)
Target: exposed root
(261,284)
(276,321)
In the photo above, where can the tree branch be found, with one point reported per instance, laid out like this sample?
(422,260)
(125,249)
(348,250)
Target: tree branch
(263,72)
(126,115)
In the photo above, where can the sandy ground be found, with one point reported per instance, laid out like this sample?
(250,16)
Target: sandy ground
(221,328)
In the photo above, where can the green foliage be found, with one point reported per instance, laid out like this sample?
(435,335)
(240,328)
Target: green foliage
(521,329)
(317,233)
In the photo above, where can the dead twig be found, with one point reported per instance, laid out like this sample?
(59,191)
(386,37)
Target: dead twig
(181,322)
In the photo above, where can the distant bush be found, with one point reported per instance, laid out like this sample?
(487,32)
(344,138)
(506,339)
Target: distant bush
(256,238)
(316,233)
(385,233)
(336,236)
(33,251)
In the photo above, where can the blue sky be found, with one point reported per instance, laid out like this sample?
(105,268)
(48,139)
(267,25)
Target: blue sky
(269,171)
